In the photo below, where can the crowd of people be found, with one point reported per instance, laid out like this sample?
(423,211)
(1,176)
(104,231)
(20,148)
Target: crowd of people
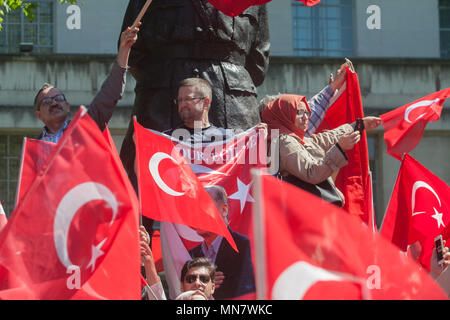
(209,73)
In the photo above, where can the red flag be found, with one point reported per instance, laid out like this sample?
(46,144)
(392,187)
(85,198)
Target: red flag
(74,235)
(227,164)
(308,249)
(234,8)
(419,209)
(34,155)
(353,179)
(169,190)
(3,219)
(405,125)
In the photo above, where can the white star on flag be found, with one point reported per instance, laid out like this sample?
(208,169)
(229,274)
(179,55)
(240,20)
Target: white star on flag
(243,193)
(438,217)
(96,253)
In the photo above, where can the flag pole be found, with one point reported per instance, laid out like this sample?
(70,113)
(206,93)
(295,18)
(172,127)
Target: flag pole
(141,14)
(259,238)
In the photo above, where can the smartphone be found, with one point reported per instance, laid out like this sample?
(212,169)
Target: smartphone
(359,126)
(439,245)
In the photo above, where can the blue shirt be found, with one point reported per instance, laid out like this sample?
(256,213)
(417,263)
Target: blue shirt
(54,137)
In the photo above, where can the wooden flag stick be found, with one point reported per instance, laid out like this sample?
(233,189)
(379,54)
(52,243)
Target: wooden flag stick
(141,14)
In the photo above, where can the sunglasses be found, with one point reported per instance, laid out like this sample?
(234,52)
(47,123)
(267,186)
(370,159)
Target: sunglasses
(48,101)
(204,278)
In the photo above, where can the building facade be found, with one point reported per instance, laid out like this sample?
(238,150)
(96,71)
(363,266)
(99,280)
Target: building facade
(400,50)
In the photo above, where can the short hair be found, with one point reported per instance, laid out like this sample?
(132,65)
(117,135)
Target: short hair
(202,84)
(265,101)
(44,86)
(218,193)
(199,262)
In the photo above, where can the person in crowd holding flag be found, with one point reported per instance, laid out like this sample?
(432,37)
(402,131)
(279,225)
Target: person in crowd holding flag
(309,161)
(52,108)
(194,103)
(435,268)
(154,290)
(193,39)
(197,275)
(236,267)
(318,104)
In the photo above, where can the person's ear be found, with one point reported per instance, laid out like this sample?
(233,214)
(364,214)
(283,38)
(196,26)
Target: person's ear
(38,114)
(206,103)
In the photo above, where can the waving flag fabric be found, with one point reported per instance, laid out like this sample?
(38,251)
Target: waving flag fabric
(236,7)
(308,249)
(74,235)
(354,179)
(419,209)
(404,126)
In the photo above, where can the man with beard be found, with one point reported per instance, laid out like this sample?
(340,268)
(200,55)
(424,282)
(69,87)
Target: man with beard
(52,108)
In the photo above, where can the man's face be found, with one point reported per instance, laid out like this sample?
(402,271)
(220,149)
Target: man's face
(52,106)
(198,278)
(191,104)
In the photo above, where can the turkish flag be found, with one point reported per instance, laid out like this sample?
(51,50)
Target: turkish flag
(308,249)
(74,235)
(34,155)
(225,163)
(405,125)
(353,180)
(234,8)
(3,219)
(419,209)
(169,190)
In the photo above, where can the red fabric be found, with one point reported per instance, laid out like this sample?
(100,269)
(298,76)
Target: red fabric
(34,155)
(280,114)
(156,251)
(353,179)
(3,219)
(234,8)
(169,190)
(240,155)
(230,168)
(418,195)
(77,212)
(405,125)
(313,250)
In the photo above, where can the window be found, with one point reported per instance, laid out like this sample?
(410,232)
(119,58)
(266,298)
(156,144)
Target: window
(444,27)
(324,30)
(10,151)
(17,29)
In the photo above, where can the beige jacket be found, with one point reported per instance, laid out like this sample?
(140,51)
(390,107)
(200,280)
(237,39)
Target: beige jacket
(316,159)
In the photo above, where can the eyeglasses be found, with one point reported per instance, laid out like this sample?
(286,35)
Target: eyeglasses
(48,101)
(204,278)
(187,99)
(302,113)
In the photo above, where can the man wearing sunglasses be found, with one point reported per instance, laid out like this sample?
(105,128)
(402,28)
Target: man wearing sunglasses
(52,107)
(197,279)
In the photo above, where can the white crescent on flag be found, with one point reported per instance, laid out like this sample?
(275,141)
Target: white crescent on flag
(153,166)
(416,186)
(295,281)
(423,103)
(66,210)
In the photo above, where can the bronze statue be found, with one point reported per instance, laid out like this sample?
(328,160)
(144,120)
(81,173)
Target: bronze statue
(179,39)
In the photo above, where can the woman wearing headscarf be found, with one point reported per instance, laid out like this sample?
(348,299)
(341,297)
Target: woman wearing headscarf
(306,161)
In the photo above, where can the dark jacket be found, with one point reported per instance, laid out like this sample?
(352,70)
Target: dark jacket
(236,267)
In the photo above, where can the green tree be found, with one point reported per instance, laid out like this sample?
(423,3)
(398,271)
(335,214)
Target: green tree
(28,8)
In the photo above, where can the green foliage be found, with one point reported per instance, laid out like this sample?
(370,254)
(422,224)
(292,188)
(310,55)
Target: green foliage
(28,7)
